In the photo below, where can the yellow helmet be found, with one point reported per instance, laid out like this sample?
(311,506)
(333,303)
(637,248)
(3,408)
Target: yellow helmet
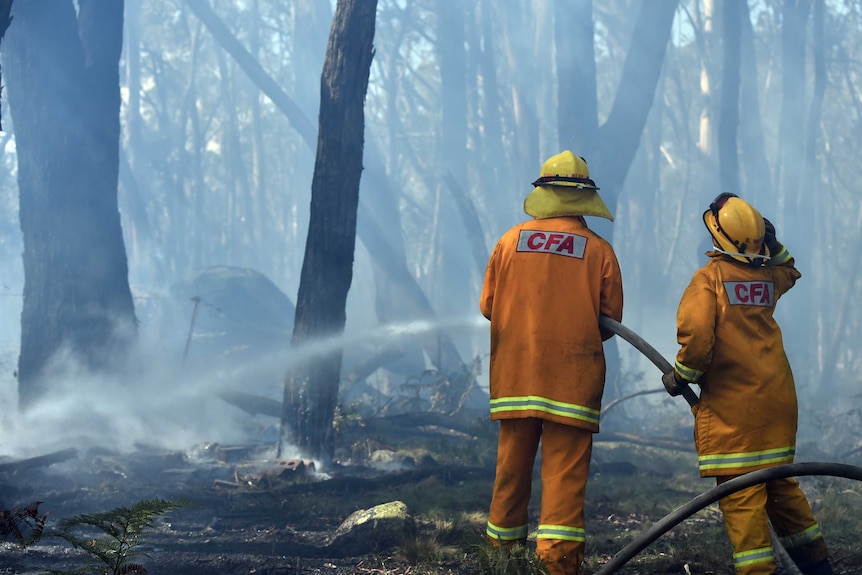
(566,169)
(737,228)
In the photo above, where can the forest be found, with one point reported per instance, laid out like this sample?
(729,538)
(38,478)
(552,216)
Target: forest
(267,223)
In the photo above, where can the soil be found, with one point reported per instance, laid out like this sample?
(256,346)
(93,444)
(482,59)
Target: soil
(242,516)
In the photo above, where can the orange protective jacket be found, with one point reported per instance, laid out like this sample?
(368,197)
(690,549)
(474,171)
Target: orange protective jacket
(732,347)
(545,286)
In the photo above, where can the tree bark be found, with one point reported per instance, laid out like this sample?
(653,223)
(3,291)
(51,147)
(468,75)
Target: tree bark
(619,136)
(5,20)
(399,294)
(757,177)
(577,99)
(311,391)
(809,202)
(791,132)
(65,99)
(728,122)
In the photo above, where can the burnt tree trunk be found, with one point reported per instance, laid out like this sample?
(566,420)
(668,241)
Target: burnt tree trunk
(63,74)
(5,20)
(311,390)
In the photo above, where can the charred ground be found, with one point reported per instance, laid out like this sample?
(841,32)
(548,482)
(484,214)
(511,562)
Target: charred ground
(248,513)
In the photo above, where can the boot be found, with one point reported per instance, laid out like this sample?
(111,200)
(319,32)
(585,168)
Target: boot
(822,568)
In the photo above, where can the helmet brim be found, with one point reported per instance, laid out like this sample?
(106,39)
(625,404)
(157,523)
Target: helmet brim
(556,201)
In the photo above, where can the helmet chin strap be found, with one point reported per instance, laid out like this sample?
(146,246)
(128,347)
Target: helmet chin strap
(749,256)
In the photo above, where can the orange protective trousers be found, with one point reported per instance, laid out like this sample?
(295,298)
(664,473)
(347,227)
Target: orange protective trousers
(747,514)
(566,452)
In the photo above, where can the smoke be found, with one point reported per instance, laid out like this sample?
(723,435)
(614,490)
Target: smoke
(159,401)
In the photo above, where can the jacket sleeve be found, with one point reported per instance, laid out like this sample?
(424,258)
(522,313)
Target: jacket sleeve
(486,301)
(695,328)
(611,303)
(783,268)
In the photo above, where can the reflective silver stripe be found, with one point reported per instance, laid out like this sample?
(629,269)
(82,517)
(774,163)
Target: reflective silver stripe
(761,555)
(803,537)
(750,459)
(687,373)
(781,257)
(561,532)
(537,403)
(506,533)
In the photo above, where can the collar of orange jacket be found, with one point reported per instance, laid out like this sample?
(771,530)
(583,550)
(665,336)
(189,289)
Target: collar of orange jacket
(555,201)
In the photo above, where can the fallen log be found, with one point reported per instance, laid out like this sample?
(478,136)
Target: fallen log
(258,405)
(252,404)
(39,461)
(672,444)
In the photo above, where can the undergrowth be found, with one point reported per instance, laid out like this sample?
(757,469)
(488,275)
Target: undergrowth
(113,539)
(23,525)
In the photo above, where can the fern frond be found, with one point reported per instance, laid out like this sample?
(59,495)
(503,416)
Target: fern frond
(24,524)
(123,529)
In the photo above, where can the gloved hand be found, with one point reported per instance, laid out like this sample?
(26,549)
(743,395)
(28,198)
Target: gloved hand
(673,386)
(769,237)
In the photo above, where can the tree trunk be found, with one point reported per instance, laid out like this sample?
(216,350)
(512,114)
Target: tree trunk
(65,98)
(311,391)
(728,122)
(577,105)
(399,294)
(620,135)
(757,178)
(791,132)
(809,202)
(5,20)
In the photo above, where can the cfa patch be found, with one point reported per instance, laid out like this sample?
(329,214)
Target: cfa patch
(559,243)
(750,293)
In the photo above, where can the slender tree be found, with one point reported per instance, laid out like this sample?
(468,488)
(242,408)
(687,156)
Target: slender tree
(311,391)
(5,20)
(757,178)
(577,100)
(65,100)
(619,136)
(728,123)
(791,131)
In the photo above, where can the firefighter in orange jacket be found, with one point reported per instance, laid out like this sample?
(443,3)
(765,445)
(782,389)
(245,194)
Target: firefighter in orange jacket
(746,418)
(546,284)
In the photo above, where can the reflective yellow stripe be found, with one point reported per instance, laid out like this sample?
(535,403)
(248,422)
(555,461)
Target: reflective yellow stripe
(762,555)
(538,403)
(562,532)
(506,533)
(687,373)
(781,257)
(803,537)
(750,459)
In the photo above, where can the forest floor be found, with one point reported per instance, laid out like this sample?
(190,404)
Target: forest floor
(238,521)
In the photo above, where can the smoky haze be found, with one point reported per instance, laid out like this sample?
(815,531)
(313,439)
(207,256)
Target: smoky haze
(215,178)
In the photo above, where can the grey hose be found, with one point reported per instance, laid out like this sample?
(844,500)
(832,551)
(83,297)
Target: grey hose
(719,491)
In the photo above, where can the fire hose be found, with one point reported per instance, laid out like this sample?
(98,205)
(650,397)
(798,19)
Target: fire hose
(649,351)
(716,493)
(736,484)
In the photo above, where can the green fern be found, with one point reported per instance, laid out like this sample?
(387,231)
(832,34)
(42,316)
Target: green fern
(24,525)
(122,531)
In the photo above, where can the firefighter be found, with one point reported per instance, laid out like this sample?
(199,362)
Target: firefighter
(547,282)
(731,346)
